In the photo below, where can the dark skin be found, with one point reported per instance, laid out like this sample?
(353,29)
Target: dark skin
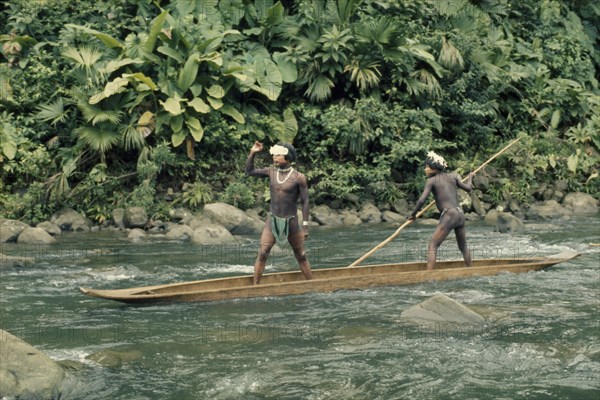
(284,196)
(444,188)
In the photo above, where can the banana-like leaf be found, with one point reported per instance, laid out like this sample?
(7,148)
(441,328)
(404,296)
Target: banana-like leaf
(233,113)
(172,105)
(140,77)
(213,58)
(188,74)
(275,14)
(199,105)
(289,72)
(146,123)
(108,40)
(216,91)
(268,78)
(170,52)
(555,119)
(195,128)
(215,103)
(178,138)
(112,66)
(291,125)
(176,123)
(154,31)
(117,85)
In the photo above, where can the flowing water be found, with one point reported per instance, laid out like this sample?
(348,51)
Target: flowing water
(541,339)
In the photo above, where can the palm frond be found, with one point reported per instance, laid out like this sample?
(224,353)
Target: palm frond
(450,57)
(95,114)
(53,112)
(366,74)
(100,138)
(319,88)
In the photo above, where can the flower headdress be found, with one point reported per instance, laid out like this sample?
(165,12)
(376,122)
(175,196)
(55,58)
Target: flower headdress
(436,161)
(279,150)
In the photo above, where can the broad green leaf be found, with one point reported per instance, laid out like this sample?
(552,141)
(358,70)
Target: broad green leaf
(176,123)
(555,119)
(268,78)
(291,125)
(145,124)
(188,74)
(289,72)
(172,105)
(199,105)
(195,128)
(275,14)
(215,103)
(9,149)
(103,37)
(140,77)
(216,91)
(170,52)
(572,162)
(552,160)
(154,31)
(178,138)
(115,86)
(233,113)
(112,66)
(212,58)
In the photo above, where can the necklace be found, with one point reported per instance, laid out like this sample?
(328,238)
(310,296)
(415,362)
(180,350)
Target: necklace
(288,175)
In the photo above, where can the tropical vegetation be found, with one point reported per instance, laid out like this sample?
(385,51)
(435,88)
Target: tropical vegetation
(156,103)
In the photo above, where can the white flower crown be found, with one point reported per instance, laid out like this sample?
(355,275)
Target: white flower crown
(279,150)
(437,159)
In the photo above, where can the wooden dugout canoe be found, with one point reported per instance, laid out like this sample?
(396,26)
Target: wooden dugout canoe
(324,280)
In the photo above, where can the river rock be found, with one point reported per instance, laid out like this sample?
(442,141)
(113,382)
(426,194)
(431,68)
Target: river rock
(68,219)
(180,213)
(549,209)
(326,216)
(478,207)
(464,200)
(491,217)
(15,261)
(10,229)
(581,203)
(401,207)
(114,358)
(212,234)
(180,232)
(370,213)
(508,223)
(35,236)
(49,227)
(390,216)
(350,218)
(441,308)
(136,234)
(118,217)
(236,221)
(135,217)
(27,373)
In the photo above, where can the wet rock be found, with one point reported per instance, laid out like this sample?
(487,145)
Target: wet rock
(508,223)
(10,229)
(326,216)
(232,218)
(68,219)
(35,236)
(180,232)
(212,234)
(370,213)
(441,308)
(114,358)
(52,229)
(581,203)
(135,217)
(27,373)
(15,261)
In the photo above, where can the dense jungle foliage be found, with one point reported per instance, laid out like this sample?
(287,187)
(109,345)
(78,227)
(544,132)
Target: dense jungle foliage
(156,103)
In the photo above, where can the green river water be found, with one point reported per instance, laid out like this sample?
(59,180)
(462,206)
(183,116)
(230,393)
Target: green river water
(541,339)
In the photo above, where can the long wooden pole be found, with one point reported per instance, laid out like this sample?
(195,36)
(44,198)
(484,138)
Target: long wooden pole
(404,225)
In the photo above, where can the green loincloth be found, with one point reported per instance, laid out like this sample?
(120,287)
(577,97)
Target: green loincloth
(280,227)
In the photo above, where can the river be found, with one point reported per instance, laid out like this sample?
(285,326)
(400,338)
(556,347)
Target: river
(541,339)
